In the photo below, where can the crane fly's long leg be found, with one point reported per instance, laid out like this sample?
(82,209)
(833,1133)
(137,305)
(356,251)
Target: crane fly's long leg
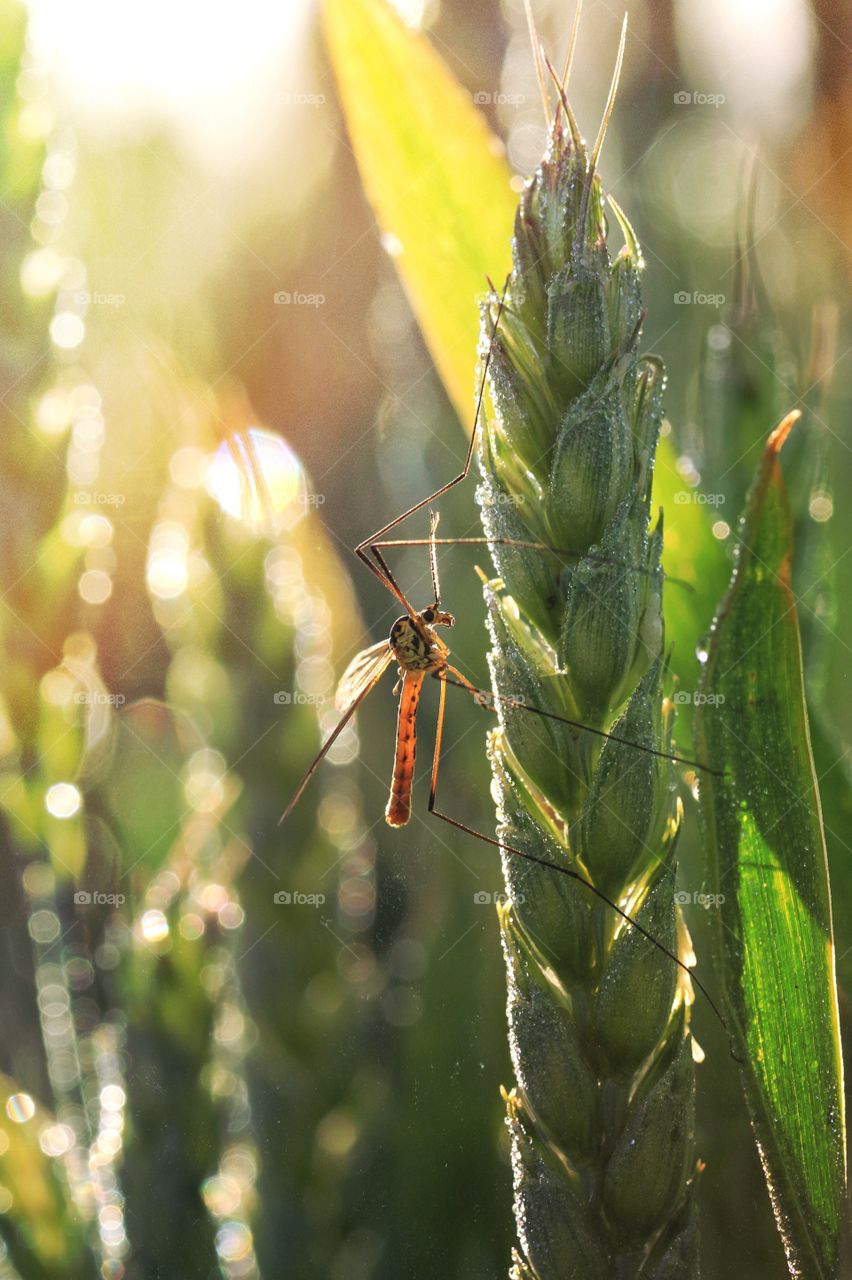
(381,570)
(385,573)
(398,811)
(482,697)
(487,698)
(559,552)
(545,862)
(335,733)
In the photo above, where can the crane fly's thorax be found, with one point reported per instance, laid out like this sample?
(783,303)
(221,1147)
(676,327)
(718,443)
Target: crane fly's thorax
(416,647)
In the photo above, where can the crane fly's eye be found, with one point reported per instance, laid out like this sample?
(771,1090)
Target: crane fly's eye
(428,615)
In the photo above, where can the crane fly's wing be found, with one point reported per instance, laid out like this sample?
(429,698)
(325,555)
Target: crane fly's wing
(370,673)
(360,671)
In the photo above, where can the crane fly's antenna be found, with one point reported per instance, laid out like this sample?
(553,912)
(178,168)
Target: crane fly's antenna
(434,517)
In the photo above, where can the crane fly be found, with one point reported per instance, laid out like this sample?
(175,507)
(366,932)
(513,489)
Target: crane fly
(419,651)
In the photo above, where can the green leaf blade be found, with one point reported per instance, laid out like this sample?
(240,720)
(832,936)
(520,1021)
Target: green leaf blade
(767,854)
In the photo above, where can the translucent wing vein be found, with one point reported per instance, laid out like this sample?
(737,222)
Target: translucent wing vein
(361,670)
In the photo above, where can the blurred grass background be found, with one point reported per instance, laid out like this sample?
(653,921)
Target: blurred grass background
(207,1081)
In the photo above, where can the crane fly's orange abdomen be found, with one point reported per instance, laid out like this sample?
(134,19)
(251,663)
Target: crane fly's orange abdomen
(398,811)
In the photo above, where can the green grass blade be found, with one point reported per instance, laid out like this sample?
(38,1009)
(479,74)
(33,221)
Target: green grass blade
(767,854)
(440,188)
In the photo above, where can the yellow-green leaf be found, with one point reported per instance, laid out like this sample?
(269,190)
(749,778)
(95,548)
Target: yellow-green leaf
(434,174)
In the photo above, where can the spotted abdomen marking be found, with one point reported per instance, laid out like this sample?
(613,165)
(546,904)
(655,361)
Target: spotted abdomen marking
(398,811)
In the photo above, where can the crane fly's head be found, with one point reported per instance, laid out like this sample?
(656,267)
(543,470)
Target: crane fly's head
(434,617)
(415,644)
